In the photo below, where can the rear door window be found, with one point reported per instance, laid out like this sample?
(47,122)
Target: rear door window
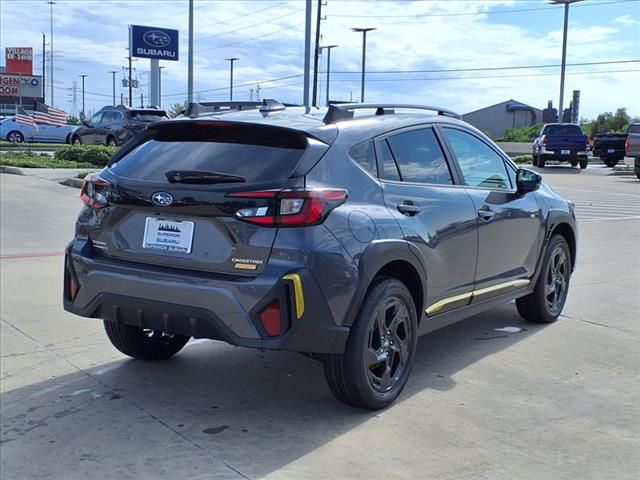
(244,151)
(419,157)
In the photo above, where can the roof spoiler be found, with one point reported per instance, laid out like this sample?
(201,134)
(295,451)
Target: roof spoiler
(345,111)
(266,107)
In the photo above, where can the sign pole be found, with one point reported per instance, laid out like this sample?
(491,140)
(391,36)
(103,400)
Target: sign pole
(155,84)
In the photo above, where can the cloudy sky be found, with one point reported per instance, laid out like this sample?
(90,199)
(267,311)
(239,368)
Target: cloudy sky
(457,54)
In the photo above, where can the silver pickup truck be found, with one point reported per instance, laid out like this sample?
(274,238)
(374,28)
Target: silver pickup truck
(632,149)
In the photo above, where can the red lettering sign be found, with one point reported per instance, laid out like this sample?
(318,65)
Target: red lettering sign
(19,60)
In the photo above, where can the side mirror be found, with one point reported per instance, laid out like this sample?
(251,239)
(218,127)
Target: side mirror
(527,181)
(86,123)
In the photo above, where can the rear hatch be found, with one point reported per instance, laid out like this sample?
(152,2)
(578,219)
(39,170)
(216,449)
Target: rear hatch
(173,198)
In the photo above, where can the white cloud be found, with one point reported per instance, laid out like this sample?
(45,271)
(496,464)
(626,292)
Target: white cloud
(626,20)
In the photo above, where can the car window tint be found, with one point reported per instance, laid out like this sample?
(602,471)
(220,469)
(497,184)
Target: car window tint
(364,156)
(563,130)
(96,118)
(480,165)
(419,157)
(389,167)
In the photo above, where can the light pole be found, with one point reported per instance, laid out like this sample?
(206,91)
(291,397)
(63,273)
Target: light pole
(52,3)
(231,60)
(160,86)
(113,74)
(364,56)
(82,115)
(566,4)
(328,49)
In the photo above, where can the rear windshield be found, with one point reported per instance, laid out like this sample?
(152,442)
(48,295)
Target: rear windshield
(563,130)
(634,128)
(146,116)
(252,159)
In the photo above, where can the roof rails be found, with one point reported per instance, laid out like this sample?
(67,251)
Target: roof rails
(346,111)
(266,107)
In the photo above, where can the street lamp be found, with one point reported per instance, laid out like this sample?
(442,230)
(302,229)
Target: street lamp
(160,86)
(566,4)
(328,49)
(231,60)
(52,3)
(82,116)
(364,56)
(113,74)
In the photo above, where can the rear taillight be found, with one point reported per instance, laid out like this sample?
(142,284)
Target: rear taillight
(270,319)
(95,191)
(290,208)
(627,145)
(544,139)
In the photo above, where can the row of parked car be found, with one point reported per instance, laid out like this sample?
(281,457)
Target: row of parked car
(112,126)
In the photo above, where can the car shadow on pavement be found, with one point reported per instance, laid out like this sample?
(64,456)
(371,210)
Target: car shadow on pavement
(558,169)
(232,409)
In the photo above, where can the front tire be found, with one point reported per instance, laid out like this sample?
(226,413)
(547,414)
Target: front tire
(15,136)
(541,161)
(379,354)
(77,140)
(111,142)
(547,300)
(144,344)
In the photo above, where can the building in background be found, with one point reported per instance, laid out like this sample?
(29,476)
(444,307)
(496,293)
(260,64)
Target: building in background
(18,85)
(496,119)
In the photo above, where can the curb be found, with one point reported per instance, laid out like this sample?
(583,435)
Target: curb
(72,182)
(11,170)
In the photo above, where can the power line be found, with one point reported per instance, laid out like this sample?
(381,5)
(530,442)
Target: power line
(233,19)
(465,14)
(452,70)
(237,86)
(271,20)
(288,27)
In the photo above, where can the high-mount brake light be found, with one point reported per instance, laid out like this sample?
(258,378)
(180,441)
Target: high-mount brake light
(94,191)
(290,208)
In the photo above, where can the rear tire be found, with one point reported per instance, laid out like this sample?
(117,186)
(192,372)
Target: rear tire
(144,344)
(111,142)
(547,300)
(379,353)
(574,163)
(76,141)
(584,163)
(609,162)
(15,136)
(541,161)
(534,160)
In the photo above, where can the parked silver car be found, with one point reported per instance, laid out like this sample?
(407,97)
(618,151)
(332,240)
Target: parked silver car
(12,131)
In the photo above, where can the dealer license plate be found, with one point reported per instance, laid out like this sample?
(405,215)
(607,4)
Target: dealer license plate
(170,235)
(565,152)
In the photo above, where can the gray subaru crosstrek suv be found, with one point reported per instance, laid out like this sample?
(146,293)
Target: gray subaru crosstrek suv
(344,236)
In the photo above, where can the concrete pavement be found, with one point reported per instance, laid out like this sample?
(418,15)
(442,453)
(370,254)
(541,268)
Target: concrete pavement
(549,402)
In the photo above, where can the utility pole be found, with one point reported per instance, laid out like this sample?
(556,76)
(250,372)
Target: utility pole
(364,57)
(231,60)
(82,115)
(113,74)
(52,3)
(160,86)
(316,54)
(44,68)
(328,49)
(130,86)
(74,99)
(190,59)
(307,52)
(566,4)
(141,99)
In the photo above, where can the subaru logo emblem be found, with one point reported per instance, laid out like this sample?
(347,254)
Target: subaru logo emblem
(156,38)
(162,199)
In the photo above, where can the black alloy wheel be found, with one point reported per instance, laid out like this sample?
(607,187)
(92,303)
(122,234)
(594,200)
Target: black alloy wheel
(379,353)
(15,136)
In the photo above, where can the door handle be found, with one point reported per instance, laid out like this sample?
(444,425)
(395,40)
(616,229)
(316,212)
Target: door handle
(485,213)
(408,208)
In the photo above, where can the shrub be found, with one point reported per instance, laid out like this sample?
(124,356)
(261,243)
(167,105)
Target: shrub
(521,134)
(97,155)
(522,159)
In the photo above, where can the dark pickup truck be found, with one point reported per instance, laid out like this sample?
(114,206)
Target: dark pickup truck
(610,146)
(632,148)
(563,142)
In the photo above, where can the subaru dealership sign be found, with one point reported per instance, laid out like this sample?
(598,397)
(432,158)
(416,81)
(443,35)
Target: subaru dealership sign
(153,42)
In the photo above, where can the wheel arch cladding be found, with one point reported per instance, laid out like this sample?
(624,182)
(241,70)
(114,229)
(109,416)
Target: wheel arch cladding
(565,230)
(407,274)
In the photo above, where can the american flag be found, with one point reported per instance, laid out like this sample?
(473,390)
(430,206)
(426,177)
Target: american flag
(24,118)
(49,115)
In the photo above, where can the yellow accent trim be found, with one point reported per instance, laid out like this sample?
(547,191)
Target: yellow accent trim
(246,266)
(298,292)
(436,307)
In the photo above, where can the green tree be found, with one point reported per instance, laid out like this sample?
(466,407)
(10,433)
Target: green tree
(610,122)
(176,109)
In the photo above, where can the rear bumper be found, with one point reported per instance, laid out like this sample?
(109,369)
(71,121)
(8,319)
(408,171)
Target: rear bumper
(557,154)
(609,152)
(201,305)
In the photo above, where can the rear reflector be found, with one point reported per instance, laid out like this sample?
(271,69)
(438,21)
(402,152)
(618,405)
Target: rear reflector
(270,318)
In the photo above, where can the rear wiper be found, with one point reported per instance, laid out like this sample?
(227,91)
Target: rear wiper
(198,176)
